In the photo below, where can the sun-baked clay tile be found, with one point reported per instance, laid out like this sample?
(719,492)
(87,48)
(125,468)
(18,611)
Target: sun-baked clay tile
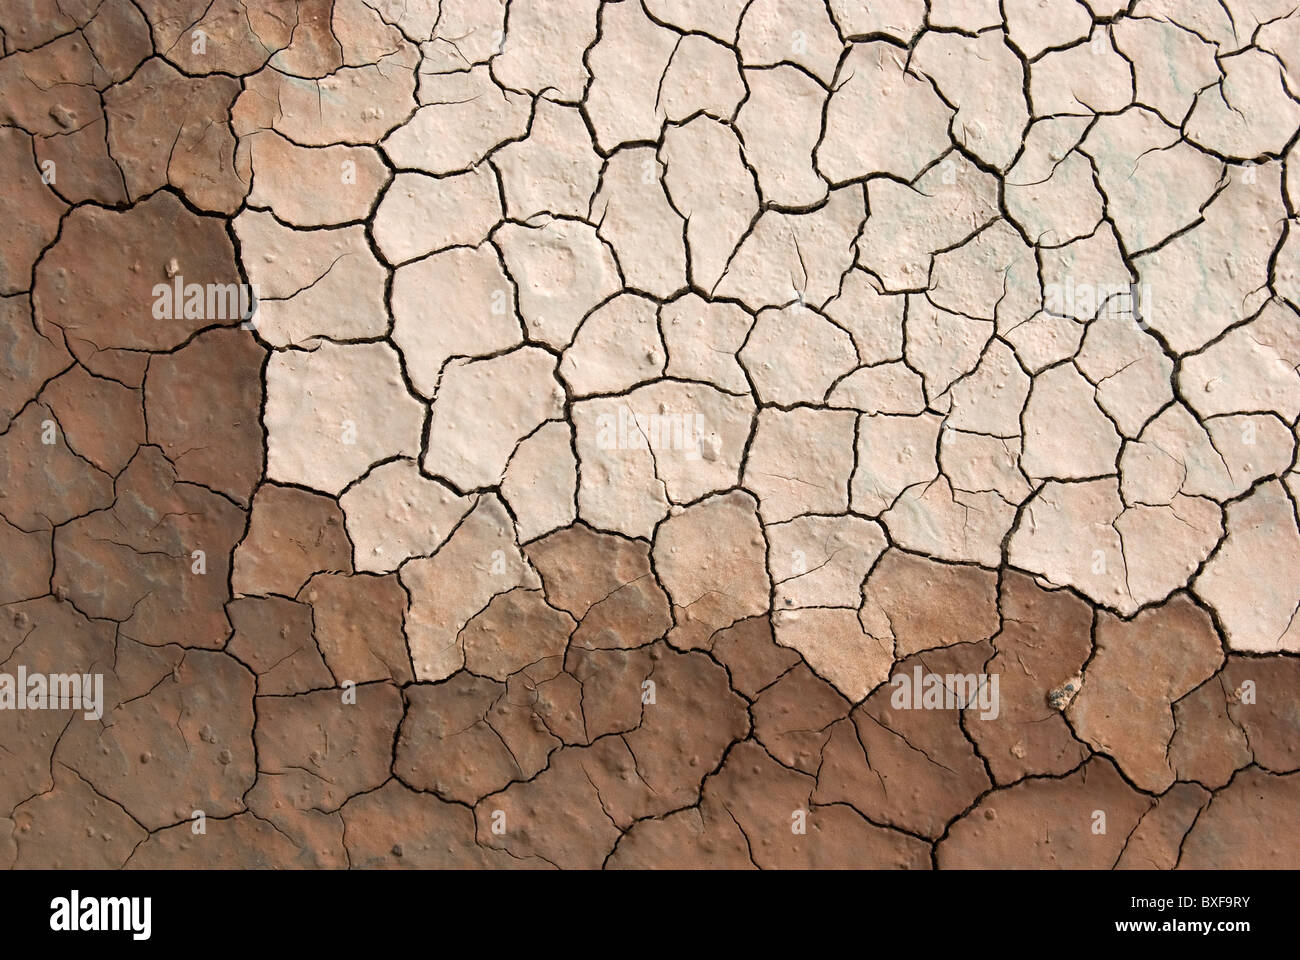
(781,155)
(627,63)
(1253,367)
(480,561)
(710,559)
(240,842)
(150,248)
(1156,842)
(1269,723)
(639,223)
(1035,27)
(1049,823)
(766,800)
(313,186)
(31,209)
(750,654)
(605,582)
(543,48)
(32,356)
(950,524)
(617,347)
(209,427)
(419,214)
(452,304)
(1207,746)
(395,512)
(701,837)
(872,317)
(102,420)
(793,355)
(790,31)
(991,398)
(703,338)
(1255,602)
(1067,436)
(469,102)
(1088,78)
(1229,260)
(165,128)
(446,723)
(1242,828)
(902,766)
(273,635)
(800,461)
(1067,535)
(881,118)
(821,561)
(234,38)
(975,462)
(890,388)
(795,257)
(1054,210)
(1170,64)
(983,76)
(540,482)
(718,20)
(554,169)
(562,270)
(333,287)
(519,390)
(45,484)
(707,181)
(317,750)
(358,626)
(1140,668)
(910,223)
(833,642)
(664,442)
(793,718)
(1249,113)
(292,534)
(157,560)
(702,75)
(514,630)
(185,745)
(396,827)
(26,562)
(54,637)
(992,276)
(1131,373)
(1043,645)
(917,603)
(1137,154)
(350,105)
(53,89)
(310,409)
(42,823)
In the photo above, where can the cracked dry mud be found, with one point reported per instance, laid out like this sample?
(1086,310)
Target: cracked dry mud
(637,391)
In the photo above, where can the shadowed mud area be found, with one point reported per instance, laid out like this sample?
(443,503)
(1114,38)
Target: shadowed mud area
(558,433)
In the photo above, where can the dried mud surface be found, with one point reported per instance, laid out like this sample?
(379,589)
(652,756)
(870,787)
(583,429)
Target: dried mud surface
(640,396)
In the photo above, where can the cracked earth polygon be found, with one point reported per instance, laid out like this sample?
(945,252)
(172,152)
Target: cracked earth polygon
(649,433)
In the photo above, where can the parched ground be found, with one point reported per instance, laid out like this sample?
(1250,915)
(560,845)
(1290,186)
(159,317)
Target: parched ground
(654,412)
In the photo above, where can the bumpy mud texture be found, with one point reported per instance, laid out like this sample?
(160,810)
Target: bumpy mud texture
(671,433)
